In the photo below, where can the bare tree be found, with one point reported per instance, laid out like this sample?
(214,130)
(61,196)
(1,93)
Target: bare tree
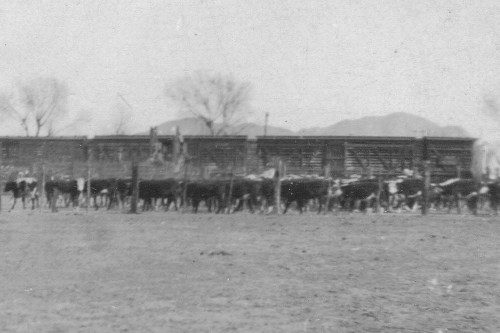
(218,100)
(9,108)
(492,108)
(121,122)
(121,117)
(39,106)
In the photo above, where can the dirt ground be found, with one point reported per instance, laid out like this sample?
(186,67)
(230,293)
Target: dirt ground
(170,272)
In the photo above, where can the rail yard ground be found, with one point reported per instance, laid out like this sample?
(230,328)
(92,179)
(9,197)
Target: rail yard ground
(171,272)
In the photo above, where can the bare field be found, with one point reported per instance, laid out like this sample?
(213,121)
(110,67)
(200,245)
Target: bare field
(168,272)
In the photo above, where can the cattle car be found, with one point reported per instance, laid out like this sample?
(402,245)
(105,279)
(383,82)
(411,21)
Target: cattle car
(22,151)
(30,153)
(208,156)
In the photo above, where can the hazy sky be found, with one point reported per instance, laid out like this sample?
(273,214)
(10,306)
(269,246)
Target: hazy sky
(311,63)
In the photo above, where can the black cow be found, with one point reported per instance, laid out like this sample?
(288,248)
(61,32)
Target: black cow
(72,188)
(240,190)
(406,190)
(23,188)
(208,191)
(362,192)
(455,190)
(303,190)
(167,190)
(266,193)
(119,192)
(101,188)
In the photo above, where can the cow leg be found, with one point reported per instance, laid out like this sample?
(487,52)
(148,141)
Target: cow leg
(96,206)
(123,200)
(176,207)
(300,204)
(196,203)
(208,203)
(472,204)
(111,200)
(220,205)
(457,202)
(320,205)
(287,204)
(251,203)
(54,200)
(13,204)
(74,202)
(451,203)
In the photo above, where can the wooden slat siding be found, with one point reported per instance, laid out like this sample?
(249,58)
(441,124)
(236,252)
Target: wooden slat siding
(218,153)
(380,157)
(253,161)
(107,148)
(460,149)
(25,151)
(335,157)
(300,155)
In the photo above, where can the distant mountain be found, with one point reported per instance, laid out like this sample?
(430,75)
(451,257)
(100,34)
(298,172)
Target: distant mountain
(395,124)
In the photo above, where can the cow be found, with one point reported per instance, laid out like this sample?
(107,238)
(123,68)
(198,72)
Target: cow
(239,191)
(167,190)
(23,188)
(101,188)
(266,194)
(361,192)
(119,191)
(455,190)
(407,191)
(302,190)
(205,190)
(71,188)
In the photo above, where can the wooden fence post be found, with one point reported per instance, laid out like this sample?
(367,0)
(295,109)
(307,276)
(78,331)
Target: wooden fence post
(379,192)
(42,189)
(230,195)
(185,182)
(1,175)
(277,188)
(89,167)
(53,201)
(231,184)
(135,187)
(427,183)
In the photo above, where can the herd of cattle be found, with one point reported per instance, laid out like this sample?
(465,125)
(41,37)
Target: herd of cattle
(258,194)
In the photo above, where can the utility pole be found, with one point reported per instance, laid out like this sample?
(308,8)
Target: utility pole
(135,187)
(427,184)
